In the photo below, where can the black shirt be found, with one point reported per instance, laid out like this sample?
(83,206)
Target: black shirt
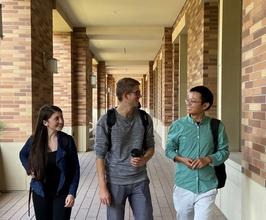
(52,174)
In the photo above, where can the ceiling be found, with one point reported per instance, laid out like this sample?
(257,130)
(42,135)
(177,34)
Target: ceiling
(125,34)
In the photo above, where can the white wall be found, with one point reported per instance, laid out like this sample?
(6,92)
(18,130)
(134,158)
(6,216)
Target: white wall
(241,198)
(161,130)
(229,198)
(254,200)
(12,174)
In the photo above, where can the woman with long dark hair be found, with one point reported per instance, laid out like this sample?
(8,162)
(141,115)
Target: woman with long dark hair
(50,157)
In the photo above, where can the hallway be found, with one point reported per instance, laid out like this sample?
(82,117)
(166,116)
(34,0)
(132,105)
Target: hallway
(13,205)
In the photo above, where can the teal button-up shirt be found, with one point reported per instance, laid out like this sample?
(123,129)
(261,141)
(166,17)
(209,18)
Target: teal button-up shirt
(188,139)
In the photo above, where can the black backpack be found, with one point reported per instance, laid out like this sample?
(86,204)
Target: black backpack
(111,119)
(219,170)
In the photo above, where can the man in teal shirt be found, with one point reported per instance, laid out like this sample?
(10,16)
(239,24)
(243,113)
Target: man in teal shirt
(190,145)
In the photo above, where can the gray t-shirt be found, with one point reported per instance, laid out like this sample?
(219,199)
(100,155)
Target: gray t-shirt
(127,134)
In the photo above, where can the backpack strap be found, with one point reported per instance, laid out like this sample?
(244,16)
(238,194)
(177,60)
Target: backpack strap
(111,119)
(214,128)
(145,122)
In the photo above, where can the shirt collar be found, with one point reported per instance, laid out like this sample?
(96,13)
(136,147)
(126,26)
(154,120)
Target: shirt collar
(204,119)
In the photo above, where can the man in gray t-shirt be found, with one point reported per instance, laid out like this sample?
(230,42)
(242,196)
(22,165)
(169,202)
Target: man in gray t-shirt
(120,175)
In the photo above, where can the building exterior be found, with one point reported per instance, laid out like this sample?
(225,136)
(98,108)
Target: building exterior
(219,44)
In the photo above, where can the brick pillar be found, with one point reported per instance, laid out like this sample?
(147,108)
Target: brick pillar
(210,50)
(253,91)
(89,72)
(101,84)
(82,90)
(150,88)
(141,87)
(62,80)
(175,91)
(113,91)
(95,96)
(167,77)
(110,91)
(25,84)
(145,91)
(157,89)
(42,50)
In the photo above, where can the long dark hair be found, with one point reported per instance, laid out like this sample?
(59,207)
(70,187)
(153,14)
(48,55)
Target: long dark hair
(39,148)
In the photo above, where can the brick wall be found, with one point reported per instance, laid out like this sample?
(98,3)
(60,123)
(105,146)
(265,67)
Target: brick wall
(82,67)
(41,49)
(167,77)
(141,87)
(89,57)
(27,27)
(157,88)
(254,90)
(210,44)
(175,78)
(15,71)
(150,88)
(94,90)
(111,91)
(202,31)
(163,79)
(101,84)
(145,91)
(62,79)
(193,11)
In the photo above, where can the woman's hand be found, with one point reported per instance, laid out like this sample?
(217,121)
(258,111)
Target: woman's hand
(32,175)
(69,202)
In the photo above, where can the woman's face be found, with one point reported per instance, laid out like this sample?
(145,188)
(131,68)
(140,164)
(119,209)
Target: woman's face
(55,122)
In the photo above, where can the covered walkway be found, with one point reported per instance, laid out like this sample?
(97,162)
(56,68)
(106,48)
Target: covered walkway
(13,205)
(169,46)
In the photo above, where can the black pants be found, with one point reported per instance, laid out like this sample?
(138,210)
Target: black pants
(50,207)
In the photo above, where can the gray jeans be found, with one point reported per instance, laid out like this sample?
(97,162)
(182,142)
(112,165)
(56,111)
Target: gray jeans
(139,198)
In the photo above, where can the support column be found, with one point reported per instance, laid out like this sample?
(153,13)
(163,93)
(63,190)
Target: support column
(82,90)
(94,93)
(25,83)
(210,50)
(175,92)
(253,112)
(101,81)
(182,79)
(150,89)
(167,77)
(145,91)
(62,80)
(229,70)
(110,91)
(166,83)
